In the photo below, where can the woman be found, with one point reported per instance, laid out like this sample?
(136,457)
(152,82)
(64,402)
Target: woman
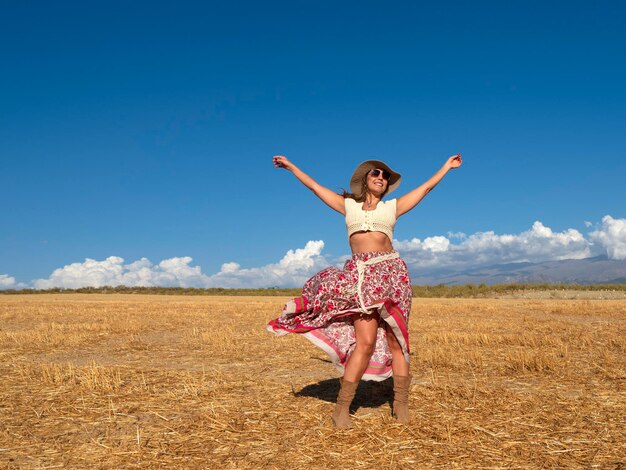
(359,315)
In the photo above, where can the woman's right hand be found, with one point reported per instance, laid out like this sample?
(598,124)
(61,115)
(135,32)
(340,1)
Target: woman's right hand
(282,162)
(330,198)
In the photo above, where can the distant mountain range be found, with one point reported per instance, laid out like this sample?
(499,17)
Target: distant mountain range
(597,270)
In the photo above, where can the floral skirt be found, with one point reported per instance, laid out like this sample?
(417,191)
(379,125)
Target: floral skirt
(324,312)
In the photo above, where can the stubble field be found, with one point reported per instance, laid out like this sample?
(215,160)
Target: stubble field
(127,381)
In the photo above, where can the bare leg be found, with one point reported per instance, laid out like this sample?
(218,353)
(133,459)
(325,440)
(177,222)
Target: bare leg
(401,379)
(398,362)
(365,329)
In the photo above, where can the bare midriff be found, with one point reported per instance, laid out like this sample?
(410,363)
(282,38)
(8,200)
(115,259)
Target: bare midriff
(362,242)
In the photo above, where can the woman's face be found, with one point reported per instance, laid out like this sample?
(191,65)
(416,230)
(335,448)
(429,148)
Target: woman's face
(377,181)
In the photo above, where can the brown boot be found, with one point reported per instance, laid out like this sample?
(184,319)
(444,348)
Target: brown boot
(401,386)
(341,415)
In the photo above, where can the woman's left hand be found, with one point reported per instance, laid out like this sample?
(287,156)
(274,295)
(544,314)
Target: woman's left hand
(454,161)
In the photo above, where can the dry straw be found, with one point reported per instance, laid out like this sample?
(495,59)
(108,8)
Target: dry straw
(114,381)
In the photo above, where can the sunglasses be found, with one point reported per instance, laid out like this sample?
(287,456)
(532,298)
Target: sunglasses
(377,172)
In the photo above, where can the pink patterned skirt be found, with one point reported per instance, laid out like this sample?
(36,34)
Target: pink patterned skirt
(324,312)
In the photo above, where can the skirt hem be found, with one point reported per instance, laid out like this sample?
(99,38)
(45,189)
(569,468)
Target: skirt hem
(388,312)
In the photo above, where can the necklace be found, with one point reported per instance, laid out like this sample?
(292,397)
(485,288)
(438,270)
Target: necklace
(368,206)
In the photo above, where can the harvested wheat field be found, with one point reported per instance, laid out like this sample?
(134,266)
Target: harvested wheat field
(126,381)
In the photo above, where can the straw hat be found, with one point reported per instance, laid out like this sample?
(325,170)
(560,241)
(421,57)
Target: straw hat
(365,167)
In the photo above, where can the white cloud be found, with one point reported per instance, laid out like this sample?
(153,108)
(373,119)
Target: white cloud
(7,282)
(230,267)
(292,270)
(454,251)
(611,236)
(436,244)
(458,235)
(539,243)
(173,272)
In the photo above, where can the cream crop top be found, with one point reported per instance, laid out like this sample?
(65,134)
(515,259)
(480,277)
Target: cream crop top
(382,219)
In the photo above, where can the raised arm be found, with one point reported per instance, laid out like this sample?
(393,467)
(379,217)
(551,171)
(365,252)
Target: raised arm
(410,200)
(332,199)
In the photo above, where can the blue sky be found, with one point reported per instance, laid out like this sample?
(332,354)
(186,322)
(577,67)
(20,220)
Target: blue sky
(146,129)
